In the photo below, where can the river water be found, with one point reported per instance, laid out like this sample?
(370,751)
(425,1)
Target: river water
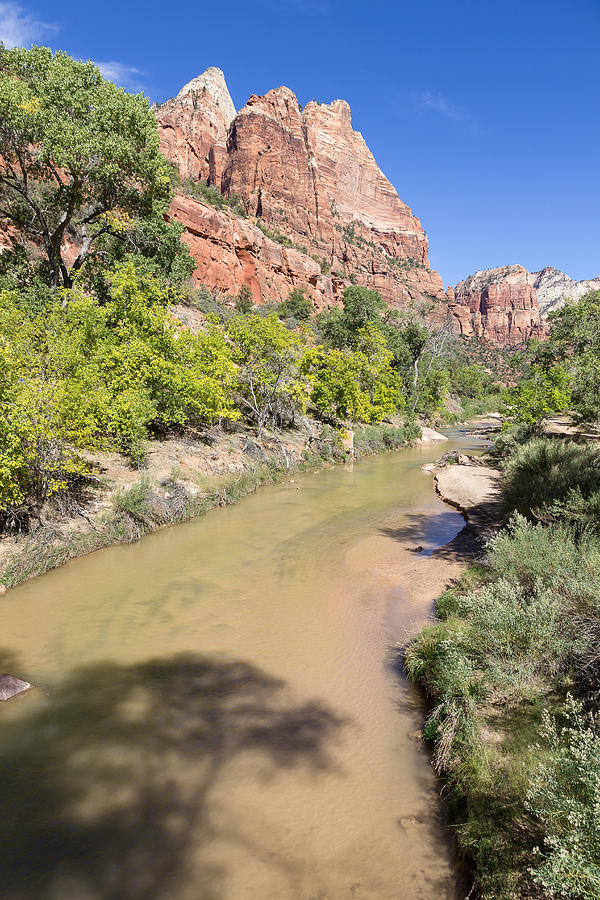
(217,715)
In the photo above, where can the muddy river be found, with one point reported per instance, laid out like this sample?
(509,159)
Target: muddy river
(218,715)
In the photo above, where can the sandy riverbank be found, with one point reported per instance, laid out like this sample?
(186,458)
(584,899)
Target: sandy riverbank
(473,489)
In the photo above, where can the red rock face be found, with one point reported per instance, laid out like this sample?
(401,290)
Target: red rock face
(308,175)
(497,305)
(193,127)
(231,251)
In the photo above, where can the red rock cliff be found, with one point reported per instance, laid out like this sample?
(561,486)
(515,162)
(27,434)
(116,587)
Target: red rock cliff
(307,178)
(497,305)
(193,127)
(305,173)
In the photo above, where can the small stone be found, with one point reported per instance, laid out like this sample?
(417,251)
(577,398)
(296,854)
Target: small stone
(11,686)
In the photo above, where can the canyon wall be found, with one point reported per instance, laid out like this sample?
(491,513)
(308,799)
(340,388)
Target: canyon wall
(310,181)
(497,305)
(320,214)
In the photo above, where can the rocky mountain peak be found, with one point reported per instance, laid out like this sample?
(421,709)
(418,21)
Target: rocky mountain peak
(193,126)
(210,87)
(554,288)
(499,305)
(310,180)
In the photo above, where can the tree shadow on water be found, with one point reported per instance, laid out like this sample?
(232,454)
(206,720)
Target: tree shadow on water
(106,782)
(426,529)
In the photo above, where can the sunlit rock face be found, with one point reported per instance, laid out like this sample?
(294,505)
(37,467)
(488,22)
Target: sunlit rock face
(193,126)
(497,305)
(554,288)
(305,174)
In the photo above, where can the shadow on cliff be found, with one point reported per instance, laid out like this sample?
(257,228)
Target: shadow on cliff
(108,783)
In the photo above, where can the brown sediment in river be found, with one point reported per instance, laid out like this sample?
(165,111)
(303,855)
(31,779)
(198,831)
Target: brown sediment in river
(217,714)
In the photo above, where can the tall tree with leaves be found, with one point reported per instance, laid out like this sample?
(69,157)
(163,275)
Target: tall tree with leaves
(79,157)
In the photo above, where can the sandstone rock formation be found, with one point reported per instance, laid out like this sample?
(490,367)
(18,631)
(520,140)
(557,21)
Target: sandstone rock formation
(193,127)
(554,287)
(307,177)
(320,213)
(231,251)
(497,305)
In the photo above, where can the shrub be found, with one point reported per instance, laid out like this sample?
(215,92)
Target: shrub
(544,471)
(297,306)
(564,797)
(243,303)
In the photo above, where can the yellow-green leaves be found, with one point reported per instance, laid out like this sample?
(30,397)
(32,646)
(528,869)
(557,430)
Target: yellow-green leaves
(100,376)
(355,384)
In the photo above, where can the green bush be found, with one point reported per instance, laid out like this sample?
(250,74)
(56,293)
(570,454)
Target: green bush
(243,302)
(546,470)
(515,636)
(564,798)
(297,306)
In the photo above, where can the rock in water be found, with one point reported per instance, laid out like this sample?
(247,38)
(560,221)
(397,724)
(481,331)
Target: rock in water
(10,686)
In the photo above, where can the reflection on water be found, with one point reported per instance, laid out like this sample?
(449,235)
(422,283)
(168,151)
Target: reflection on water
(215,717)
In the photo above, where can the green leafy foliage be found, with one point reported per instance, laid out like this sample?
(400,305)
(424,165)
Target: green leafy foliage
(564,797)
(545,390)
(417,351)
(267,355)
(78,154)
(297,306)
(243,301)
(93,375)
(575,338)
(355,384)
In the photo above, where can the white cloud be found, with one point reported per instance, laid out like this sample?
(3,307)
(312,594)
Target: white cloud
(18,28)
(125,76)
(428,101)
(438,103)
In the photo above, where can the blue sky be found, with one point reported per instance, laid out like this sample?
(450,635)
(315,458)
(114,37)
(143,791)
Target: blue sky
(484,115)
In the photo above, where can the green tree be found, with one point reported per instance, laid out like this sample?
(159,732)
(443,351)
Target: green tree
(356,384)
(544,391)
(339,328)
(361,306)
(575,337)
(267,355)
(297,306)
(243,302)
(78,156)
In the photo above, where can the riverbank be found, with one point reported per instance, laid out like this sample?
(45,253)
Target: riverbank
(245,657)
(472,488)
(510,668)
(183,478)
